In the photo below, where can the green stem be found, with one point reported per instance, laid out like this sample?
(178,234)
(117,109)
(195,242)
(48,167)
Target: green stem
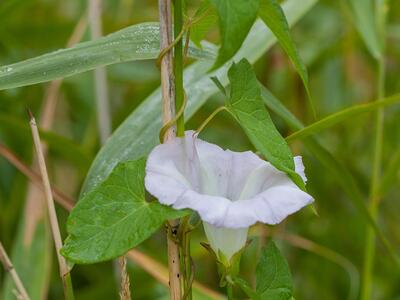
(178,66)
(229,289)
(68,289)
(187,264)
(369,253)
(180,128)
(374,196)
(210,117)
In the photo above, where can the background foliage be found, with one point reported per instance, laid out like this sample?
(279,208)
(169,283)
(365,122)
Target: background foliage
(342,73)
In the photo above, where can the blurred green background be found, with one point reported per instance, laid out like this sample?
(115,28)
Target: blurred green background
(325,252)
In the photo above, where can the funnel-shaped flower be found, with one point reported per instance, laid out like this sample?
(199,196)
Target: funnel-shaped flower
(230,190)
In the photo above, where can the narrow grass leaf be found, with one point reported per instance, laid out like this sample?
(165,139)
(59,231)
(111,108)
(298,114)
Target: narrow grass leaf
(137,42)
(274,17)
(246,105)
(114,217)
(341,116)
(235,20)
(363,13)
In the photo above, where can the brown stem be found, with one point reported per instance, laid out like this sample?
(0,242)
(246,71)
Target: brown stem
(168,104)
(125,290)
(167,75)
(8,266)
(64,270)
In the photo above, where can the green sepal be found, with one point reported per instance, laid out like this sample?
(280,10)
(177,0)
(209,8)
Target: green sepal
(226,268)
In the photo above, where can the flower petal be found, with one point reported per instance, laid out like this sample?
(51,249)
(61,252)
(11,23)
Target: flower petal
(227,240)
(270,207)
(227,189)
(224,172)
(171,169)
(299,167)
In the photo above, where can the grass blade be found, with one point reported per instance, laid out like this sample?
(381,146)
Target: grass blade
(274,17)
(364,20)
(342,115)
(137,42)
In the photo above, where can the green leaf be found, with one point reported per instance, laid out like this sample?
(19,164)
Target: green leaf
(138,134)
(235,20)
(114,217)
(205,17)
(274,281)
(342,115)
(335,168)
(246,288)
(219,85)
(246,105)
(32,260)
(274,17)
(135,42)
(364,20)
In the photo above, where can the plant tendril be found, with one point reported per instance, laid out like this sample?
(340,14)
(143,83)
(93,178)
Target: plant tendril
(185,29)
(210,117)
(169,124)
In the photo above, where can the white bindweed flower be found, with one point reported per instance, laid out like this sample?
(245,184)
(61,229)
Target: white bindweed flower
(230,190)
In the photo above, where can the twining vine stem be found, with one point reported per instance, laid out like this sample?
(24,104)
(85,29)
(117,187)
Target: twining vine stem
(180,103)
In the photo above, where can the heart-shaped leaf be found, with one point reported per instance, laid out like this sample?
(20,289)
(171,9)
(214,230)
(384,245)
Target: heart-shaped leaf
(274,281)
(247,105)
(114,217)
